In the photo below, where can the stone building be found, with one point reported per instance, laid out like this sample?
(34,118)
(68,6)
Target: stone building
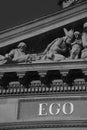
(44,94)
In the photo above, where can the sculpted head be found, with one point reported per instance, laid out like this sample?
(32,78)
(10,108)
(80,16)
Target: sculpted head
(77,34)
(22,46)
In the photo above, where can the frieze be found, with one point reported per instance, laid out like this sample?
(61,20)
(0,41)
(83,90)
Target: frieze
(52,109)
(49,112)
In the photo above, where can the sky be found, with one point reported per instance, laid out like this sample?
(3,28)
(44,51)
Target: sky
(16,12)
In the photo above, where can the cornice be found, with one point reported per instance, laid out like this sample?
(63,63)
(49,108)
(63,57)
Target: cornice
(44,66)
(47,124)
(37,87)
(45,24)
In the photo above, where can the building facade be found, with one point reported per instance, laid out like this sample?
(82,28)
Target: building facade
(44,92)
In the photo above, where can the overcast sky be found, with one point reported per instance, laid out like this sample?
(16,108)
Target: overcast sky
(15,12)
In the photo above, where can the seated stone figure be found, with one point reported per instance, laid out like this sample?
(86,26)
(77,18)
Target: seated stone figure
(84,42)
(58,48)
(76,46)
(18,55)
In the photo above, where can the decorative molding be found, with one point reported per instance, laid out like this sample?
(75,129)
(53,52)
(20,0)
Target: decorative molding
(47,125)
(38,125)
(43,90)
(45,66)
(39,86)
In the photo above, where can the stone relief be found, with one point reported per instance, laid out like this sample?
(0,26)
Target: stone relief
(17,55)
(58,48)
(67,3)
(72,46)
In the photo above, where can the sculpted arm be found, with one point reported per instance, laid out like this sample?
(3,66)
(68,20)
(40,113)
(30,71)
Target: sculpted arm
(10,55)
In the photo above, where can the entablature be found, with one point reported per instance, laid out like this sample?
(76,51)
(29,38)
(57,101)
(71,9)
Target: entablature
(41,78)
(44,66)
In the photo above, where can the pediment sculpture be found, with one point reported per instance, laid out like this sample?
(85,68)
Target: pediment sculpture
(72,46)
(67,3)
(69,47)
(17,55)
(59,48)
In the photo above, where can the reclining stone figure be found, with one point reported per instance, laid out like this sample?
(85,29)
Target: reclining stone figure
(58,48)
(18,55)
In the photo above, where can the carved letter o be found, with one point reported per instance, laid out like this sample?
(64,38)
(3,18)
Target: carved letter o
(65,107)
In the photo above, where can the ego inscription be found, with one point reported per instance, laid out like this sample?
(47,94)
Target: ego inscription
(54,109)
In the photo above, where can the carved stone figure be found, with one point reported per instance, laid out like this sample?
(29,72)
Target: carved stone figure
(76,46)
(18,55)
(66,3)
(58,48)
(84,42)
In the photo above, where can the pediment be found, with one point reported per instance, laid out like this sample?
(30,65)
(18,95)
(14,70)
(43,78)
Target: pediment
(40,33)
(44,24)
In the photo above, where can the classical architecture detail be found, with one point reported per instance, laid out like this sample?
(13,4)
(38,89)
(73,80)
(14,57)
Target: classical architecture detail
(53,78)
(43,71)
